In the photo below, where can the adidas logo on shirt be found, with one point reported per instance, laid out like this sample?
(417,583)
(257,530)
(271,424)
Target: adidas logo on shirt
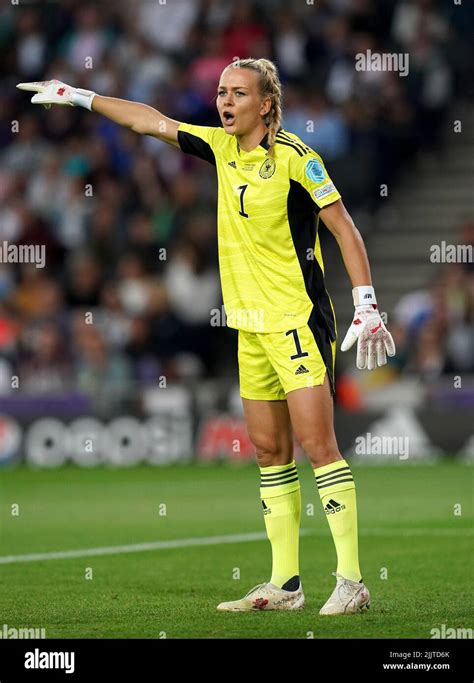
(301,370)
(333,506)
(233,164)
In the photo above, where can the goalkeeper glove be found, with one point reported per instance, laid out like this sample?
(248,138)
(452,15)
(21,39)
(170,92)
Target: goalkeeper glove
(374,341)
(55,92)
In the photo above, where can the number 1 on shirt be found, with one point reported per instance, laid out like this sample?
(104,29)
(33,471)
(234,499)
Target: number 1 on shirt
(242,189)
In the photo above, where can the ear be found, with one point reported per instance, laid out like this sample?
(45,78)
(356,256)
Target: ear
(266,106)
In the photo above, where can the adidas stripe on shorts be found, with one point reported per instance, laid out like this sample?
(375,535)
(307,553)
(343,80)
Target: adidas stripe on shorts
(273,364)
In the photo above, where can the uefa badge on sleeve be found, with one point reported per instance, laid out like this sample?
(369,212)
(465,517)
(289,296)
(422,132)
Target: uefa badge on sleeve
(315,171)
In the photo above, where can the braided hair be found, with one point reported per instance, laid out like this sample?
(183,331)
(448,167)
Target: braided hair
(269,86)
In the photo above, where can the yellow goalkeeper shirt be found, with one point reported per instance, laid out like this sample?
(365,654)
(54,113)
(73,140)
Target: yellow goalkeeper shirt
(270,262)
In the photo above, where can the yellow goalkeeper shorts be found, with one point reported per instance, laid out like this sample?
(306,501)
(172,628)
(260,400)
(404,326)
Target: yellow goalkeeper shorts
(273,364)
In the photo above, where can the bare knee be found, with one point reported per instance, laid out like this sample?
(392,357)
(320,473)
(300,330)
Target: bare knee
(320,452)
(272,451)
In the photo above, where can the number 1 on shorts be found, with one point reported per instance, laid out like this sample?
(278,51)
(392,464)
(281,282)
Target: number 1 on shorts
(300,353)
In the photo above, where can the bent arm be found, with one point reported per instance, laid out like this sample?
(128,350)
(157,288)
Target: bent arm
(340,224)
(141,118)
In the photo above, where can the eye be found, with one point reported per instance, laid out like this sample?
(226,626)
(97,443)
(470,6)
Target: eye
(221,93)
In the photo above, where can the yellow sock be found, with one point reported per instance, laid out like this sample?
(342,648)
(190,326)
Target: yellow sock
(338,495)
(281,501)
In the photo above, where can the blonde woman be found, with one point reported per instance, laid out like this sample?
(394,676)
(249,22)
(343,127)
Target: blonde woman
(273,189)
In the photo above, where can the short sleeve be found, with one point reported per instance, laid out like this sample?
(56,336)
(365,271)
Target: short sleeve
(309,171)
(201,141)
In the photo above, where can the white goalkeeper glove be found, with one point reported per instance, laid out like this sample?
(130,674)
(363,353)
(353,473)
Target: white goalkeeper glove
(56,92)
(374,341)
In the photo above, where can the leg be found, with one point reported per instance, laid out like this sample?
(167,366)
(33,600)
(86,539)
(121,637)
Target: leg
(303,359)
(311,411)
(269,427)
(312,418)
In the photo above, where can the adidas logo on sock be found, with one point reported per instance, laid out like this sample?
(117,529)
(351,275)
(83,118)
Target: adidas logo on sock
(266,510)
(333,506)
(301,370)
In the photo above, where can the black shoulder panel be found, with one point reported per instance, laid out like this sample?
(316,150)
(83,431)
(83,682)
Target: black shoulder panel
(192,144)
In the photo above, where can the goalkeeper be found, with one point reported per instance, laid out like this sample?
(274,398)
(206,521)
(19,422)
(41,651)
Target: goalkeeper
(273,192)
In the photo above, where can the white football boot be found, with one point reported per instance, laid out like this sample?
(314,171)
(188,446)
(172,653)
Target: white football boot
(348,597)
(265,596)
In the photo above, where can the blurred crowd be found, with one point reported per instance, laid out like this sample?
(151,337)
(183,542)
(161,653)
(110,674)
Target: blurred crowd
(129,222)
(434,327)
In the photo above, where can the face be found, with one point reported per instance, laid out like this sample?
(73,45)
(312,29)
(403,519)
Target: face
(239,102)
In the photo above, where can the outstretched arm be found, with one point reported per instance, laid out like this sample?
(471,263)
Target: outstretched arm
(141,118)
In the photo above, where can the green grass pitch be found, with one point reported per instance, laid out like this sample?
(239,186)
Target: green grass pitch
(407,525)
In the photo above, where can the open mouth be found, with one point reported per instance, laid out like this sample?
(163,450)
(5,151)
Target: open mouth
(228,117)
